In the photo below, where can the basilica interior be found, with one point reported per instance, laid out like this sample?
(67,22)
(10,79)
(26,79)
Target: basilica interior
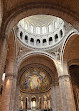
(39,55)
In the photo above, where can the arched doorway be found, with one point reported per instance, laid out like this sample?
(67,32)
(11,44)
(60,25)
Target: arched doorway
(74,74)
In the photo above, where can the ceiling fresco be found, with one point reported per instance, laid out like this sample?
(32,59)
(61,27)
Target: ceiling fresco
(35,80)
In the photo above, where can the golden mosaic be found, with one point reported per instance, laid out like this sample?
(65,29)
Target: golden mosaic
(35,80)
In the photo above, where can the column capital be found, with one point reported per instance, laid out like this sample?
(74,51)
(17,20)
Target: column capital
(64,76)
(10,75)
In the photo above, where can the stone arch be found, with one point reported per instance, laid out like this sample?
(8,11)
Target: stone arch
(38,60)
(71,47)
(36,54)
(73,62)
(74,76)
(71,34)
(32,53)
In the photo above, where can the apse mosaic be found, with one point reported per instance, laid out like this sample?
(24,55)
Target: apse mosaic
(35,80)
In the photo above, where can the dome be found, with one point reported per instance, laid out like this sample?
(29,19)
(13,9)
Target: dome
(40,31)
(35,80)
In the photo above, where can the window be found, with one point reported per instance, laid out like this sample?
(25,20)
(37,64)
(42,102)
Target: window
(44,40)
(26,37)
(50,28)
(56,25)
(38,41)
(26,26)
(61,32)
(3,77)
(50,40)
(22,22)
(38,30)
(21,34)
(31,29)
(56,38)
(31,40)
(43,30)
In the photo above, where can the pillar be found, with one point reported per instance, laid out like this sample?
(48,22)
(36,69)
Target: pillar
(29,101)
(42,102)
(9,89)
(3,54)
(54,99)
(37,102)
(66,92)
(17,99)
(8,95)
(1,12)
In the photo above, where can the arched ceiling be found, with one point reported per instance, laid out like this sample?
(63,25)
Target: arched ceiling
(10,4)
(38,61)
(72,49)
(35,80)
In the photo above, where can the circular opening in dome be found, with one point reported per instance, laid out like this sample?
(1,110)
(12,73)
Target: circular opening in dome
(40,31)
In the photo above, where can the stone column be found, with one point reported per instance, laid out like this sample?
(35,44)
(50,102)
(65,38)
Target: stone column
(3,53)
(8,95)
(17,99)
(29,101)
(23,103)
(42,102)
(9,90)
(66,92)
(54,99)
(37,102)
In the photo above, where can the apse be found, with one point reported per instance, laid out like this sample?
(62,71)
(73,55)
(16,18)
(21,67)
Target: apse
(35,80)
(35,89)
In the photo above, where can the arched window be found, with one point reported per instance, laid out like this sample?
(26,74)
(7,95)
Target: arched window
(31,29)
(3,77)
(44,40)
(26,38)
(21,34)
(26,27)
(38,42)
(22,22)
(50,28)
(56,25)
(38,30)
(61,33)
(33,102)
(31,40)
(43,30)
(50,40)
(56,38)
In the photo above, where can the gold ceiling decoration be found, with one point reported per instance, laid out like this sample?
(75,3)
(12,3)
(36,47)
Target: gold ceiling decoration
(35,80)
